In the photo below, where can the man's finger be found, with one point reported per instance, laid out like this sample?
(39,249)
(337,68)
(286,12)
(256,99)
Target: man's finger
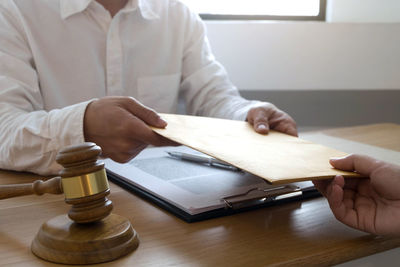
(292,131)
(321,185)
(148,115)
(287,128)
(258,117)
(134,129)
(364,165)
(261,127)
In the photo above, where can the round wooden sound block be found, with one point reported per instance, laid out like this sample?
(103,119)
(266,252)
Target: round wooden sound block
(61,240)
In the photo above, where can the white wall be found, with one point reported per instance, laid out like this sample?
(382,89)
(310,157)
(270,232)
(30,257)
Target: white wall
(344,55)
(323,74)
(308,55)
(363,11)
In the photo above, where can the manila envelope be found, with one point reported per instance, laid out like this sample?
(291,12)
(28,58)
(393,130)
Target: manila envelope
(276,157)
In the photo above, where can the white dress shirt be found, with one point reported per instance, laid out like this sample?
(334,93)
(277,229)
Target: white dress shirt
(58,55)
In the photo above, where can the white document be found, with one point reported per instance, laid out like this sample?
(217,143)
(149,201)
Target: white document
(193,187)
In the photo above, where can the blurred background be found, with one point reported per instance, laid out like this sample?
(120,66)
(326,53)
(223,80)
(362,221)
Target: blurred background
(328,63)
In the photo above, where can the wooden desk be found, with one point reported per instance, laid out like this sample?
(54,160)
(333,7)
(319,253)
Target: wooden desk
(301,233)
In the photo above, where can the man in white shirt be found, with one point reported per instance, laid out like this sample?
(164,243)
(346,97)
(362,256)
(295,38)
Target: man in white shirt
(85,70)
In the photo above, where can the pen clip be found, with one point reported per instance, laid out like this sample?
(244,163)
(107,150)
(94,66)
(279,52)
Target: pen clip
(204,160)
(258,195)
(224,166)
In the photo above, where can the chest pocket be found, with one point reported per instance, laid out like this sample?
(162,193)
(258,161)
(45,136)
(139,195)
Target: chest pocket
(160,92)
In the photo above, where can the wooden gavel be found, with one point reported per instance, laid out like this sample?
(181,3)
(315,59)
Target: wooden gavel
(83,182)
(91,234)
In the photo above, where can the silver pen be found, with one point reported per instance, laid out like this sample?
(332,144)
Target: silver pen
(202,159)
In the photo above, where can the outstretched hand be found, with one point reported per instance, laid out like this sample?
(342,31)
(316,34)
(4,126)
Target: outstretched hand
(120,126)
(268,116)
(368,204)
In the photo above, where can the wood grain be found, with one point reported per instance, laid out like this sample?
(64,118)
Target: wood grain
(61,240)
(294,234)
(89,234)
(375,134)
(38,187)
(302,233)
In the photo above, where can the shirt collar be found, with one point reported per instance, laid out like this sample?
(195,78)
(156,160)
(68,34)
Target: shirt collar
(71,7)
(147,10)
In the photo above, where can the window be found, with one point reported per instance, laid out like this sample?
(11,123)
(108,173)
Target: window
(259,9)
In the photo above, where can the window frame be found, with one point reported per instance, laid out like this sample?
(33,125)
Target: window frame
(320,17)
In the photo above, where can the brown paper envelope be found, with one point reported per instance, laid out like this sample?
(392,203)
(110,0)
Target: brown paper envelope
(276,157)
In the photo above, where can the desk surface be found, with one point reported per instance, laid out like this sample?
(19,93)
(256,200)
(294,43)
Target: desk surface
(300,233)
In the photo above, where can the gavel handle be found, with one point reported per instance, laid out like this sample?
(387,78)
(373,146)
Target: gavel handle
(39,187)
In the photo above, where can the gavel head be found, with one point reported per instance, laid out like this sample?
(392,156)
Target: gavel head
(84,182)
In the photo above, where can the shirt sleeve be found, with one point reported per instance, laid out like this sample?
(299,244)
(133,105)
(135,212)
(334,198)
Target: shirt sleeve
(206,87)
(30,136)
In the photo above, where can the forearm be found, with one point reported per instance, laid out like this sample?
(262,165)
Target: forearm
(209,92)
(205,85)
(31,140)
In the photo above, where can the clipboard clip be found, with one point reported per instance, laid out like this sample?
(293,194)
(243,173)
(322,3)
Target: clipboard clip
(257,196)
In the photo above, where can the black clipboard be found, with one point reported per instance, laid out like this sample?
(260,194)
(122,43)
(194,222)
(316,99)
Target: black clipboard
(233,204)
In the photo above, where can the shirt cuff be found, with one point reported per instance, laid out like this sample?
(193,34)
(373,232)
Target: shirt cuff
(67,125)
(241,113)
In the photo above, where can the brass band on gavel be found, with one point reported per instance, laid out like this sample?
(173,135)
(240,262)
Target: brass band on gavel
(85,185)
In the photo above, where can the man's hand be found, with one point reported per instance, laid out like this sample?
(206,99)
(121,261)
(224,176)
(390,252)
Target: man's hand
(120,126)
(372,204)
(268,117)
